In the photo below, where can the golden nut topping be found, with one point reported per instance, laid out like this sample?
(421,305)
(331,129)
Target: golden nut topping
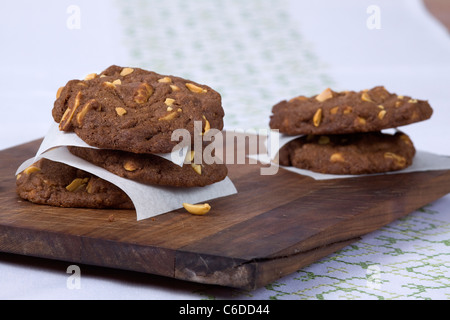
(299,98)
(197,209)
(197,168)
(169,116)
(179,110)
(109,84)
(58,93)
(365,97)
(400,97)
(413,101)
(196,89)
(174,87)
(337,157)
(361,120)
(77,184)
(169,102)
(121,111)
(334,110)
(406,139)
(165,80)
(90,76)
(398,160)
(143,93)
(126,71)
(190,156)
(66,119)
(87,106)
(89,187)
(317,119)
(117,82)
(31,169)
(130,166)
(325,95)
(348,110)
(169,109)
(207,126)
(381,114)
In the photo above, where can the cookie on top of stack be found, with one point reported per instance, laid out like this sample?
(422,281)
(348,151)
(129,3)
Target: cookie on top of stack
(128,116)
(341,132)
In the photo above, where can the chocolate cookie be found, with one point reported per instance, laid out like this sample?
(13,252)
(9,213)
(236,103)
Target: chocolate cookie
(56,184)
(152,169)
(135,110)
(359,153)
(347,112)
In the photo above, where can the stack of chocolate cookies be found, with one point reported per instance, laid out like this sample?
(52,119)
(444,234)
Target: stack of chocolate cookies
(128,116)
(342,132)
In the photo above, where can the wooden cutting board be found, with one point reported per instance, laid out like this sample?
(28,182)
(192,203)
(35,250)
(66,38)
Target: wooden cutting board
(273,226)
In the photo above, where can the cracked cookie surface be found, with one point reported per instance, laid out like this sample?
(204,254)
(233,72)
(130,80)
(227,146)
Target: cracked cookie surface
(57,184)
(358,153)
(344,112)
(134,110)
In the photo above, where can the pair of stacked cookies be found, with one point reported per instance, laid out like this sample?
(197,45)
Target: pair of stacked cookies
(128,116)
(342,132)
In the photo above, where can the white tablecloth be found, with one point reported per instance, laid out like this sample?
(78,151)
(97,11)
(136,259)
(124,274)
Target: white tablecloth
(255,53)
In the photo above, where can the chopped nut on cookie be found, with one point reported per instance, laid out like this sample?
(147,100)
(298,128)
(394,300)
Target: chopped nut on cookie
(347,112)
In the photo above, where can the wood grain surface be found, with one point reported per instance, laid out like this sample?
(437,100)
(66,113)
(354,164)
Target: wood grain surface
(273,226)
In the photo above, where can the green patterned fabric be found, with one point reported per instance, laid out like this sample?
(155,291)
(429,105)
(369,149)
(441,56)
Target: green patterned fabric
(246,50)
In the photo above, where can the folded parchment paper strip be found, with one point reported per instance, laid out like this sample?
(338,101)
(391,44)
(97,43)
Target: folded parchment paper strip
(148,200)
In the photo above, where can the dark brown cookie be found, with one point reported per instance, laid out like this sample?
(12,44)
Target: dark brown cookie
(57,184)
(135,110)
(152,169)
(347,112)
(358,153)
